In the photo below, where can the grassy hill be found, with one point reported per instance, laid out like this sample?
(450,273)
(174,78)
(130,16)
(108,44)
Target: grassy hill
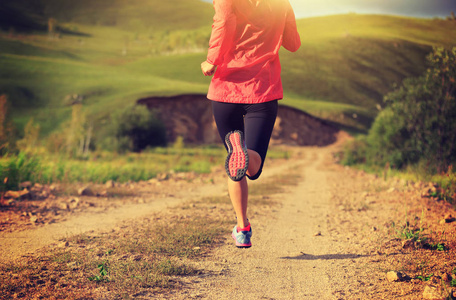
(132,15)
(356,59)
(114,52)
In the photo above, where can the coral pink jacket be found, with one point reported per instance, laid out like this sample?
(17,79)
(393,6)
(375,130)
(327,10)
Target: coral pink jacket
(244,45)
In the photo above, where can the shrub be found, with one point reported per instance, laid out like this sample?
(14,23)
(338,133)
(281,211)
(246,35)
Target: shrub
(419,123)
(134,129)
(355,152)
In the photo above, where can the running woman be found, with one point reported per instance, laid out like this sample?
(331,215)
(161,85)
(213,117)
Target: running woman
(243,58)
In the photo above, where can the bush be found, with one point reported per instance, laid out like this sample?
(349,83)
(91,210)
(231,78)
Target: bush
(18,169)
(134,129)
(419,123)
(355,152)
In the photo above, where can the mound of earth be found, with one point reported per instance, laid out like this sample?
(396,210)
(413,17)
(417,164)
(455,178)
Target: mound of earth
(190,116)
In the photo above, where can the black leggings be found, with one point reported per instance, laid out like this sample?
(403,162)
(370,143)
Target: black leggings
(255,120)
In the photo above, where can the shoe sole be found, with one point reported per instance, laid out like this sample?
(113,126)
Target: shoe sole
(237,161)
(239,245)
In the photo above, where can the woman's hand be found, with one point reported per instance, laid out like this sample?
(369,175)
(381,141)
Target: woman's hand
(207,68)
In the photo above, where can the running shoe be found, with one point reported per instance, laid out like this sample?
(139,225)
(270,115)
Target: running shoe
(237,161)
(242,238)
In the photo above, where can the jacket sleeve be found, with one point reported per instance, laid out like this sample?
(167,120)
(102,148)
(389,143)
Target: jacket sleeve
(291,39)
(223,30)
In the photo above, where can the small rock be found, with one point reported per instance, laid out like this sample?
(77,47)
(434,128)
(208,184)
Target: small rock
(153,181)
(433,187)
(63,205)
(26,184)
(432,292)
(72,265)
(33,219)
(449,218)
(17,194)
(44,194)
(394,276)
(445,277)
(110,184)
(391,190)
(103,194)
(162,177)
(74,203)
(53,187)
(408,243)
(374,228)
(318,233)
(63,244)
(86,191)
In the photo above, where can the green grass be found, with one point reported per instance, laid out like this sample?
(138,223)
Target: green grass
(47,168)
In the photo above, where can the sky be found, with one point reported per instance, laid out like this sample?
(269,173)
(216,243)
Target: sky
(413,8)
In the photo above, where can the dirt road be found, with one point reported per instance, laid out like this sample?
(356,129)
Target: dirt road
(293,253)
(292,256)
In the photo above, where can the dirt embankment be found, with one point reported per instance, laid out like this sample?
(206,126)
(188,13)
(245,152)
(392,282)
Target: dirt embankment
(190,116)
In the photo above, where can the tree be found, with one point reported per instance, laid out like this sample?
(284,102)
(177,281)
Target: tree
(52,26)
(79,133)
(7,131)
(30,141)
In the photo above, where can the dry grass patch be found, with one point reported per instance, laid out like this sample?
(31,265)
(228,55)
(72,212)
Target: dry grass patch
(141,258)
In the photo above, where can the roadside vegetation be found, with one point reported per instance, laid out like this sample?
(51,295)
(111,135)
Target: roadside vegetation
(415,133)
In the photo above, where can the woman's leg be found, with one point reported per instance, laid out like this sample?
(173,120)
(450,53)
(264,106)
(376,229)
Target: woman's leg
(230,117)
(259,123)
(239,195)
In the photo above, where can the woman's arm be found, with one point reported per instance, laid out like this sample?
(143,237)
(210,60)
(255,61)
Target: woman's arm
(291,39)
(223,30)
